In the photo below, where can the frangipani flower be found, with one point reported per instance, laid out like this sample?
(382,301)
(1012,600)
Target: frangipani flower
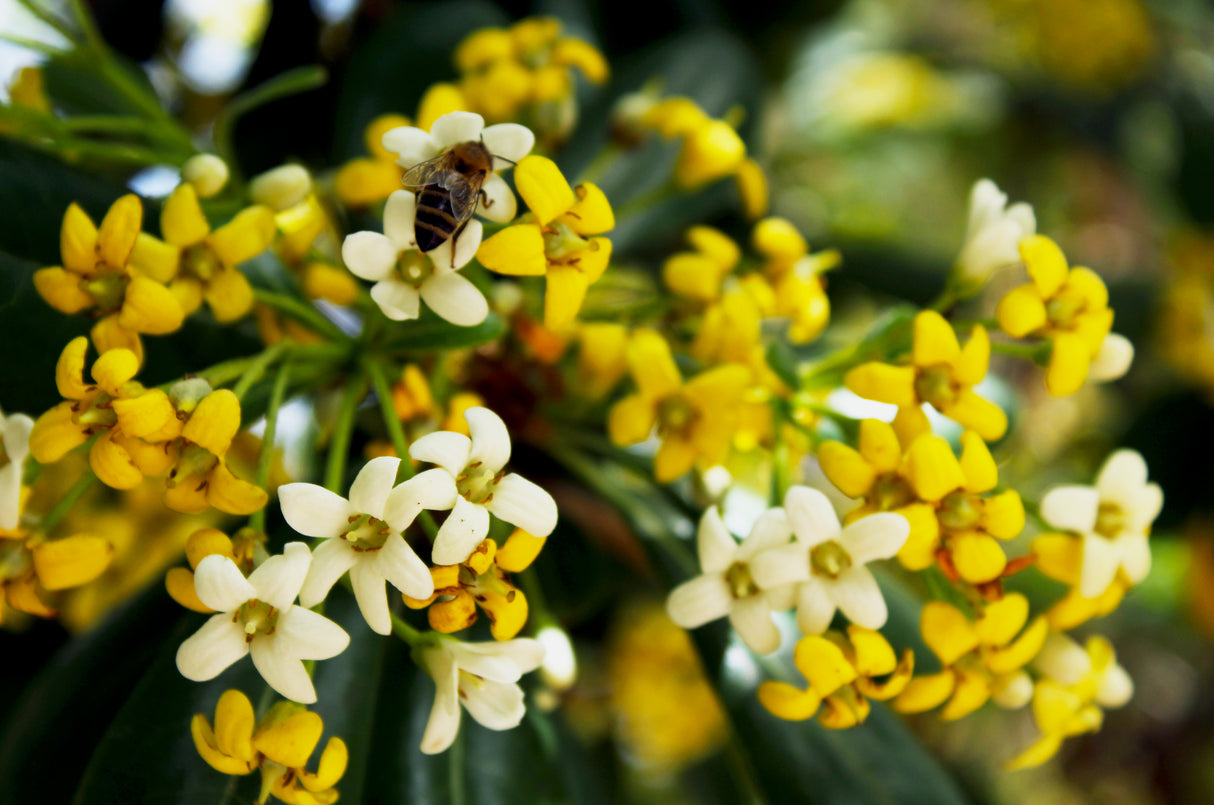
(483,677)
(992,235)
(554,240)
(364,534)
(727,585)
(258,616)
(827,562)
(404,276)
(476,464)
(1112,519)
(508,142)
(14,447)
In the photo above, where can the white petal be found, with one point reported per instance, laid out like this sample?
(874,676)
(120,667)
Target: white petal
(751,619)
(214,647)
(369,492)
(454,298)
(432,489)
(455,252)
(331,559)
(282,670)
(314,511)
(1013,691)
(510,141)
(1135,555)
(1145,507)
(399,213)
(700,600)
(220,584)
(499,204)
(1112,360)
(398,300)
(815,607)
(521,654)
(812,517)
(785,564)
(463,530)
(17,430)
(371,596)
(443,725)
(456,127)
(1124,473)
(445,448)
(1100,562)
(402,568)
(409,142)
(496,705)
(369,255)
(1071,508)
(782,598)
(771,530)
(1062,659)
(490,439)
(1116,687)
(310,635)
(714,544)
(856,593)
(877,536)
(279,578)
(10,495)
(524,504)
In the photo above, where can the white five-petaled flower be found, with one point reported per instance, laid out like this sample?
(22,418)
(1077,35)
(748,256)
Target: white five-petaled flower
(363,534)
(827,562)
(993,233)
(1112,518)
(727,587)
(14,447)
(476,466)
(405,276)
(508,142)
(482,676)
(258,616)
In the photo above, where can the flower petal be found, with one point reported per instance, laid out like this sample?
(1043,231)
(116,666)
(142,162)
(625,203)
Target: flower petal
(771,530)
(1100,562)
(330,561)
(1071,508)
(398,300)
(310,635)
(455,127)
(370,490)
(206,653)
(279,578)
(786,564)
(1122,477)
(443,724)
(445,448)
(815,607)
(499,204)
(399,216)
(314,511)
(369,255)
(751,619)
(811,516)
(371,596)
(525,504)
(858,596)
(510,141)
(281,670)
(714,544)
(496,705)
(411,144)
(490,439)
(403,569)
(698,601)
(453,297)
(459,535)
(220,584)
(877,536)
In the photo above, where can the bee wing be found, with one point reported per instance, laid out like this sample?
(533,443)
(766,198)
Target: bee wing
(423,173)
(463,193)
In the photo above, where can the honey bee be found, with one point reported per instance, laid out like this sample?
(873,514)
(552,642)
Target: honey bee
(448,188)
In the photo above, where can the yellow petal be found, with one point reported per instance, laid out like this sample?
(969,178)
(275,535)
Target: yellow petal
(1002,620)
(874,655)
(113,463)
(909,424)
(61,290)
(884,383)
(1021,311)
(289,740)
(69,371)
(879,445)
(506,611)
(715,245)
(719,389)
(592,214)
(846,468)
(180,585)
(652,366)
(150,307)
(935,341)
(234,720)
(214,422)
(675,117)
(247,235)
(971,692)
(778,239)
(1092,328)
(894,684)
(364,181)
(630,420)
(181,220)
(751,182)
(206,541)
(692,275)
(482,47)
(188,292)
(55,434)
(784,701)
(73,561)
(229,295)
(230,494)
(975,357)
(332,766)
(675,458)
(155,259)
(188,495)
(108,335)
(453,615)
(1059,556)
(1040,752)
(977,557)
(22,595)
(1020,652)
(145,414)
(439,99)
(1045,262)
(978,414)
(118,231)
(709,152)
(1086,284)
(919,551)
(823,663)
(573,52)
(563,295)
(1003,515)
(592,262)
(78,241)
(323,281)
(544,188)
(204,742)
(113,369)
(1069,362)
(932,469)
(924,693)
(517,251)
(840,713)
(978,466)
(519,551)
(151,459)
(947,631)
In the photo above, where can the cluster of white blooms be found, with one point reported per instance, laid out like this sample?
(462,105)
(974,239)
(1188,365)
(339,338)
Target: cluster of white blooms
(798,553)
(363,535)
(403,275)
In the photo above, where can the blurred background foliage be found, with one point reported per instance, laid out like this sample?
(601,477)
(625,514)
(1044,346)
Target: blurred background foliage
(873,118)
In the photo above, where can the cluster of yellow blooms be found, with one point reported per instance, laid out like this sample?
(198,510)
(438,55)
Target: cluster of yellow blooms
(706,394)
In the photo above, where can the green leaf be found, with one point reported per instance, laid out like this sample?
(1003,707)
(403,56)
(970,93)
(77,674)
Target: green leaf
(432,333)
(783,361)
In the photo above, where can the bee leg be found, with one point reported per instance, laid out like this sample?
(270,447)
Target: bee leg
(486,202)
(455,241)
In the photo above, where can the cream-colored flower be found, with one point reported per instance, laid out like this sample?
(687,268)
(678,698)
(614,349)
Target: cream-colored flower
(14,447)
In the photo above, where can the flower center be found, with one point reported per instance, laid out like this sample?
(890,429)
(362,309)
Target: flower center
(194,461)
(15,560)
(934,385)
(676,415)
(1062,311)
(741,584)
(476,483)
(829,559)
(414,267)
(891,491)
(366,533)
(201,262)
(256,618)
(107,291)
(562,244)
(1110,520)
(960,511)
(95,412)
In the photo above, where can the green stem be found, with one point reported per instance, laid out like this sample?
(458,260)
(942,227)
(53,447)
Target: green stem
(1038,353)
(257,369)
(743,772)
(83,19)
(780,471)
(302,312)
(292,82)
(339,444)
(31,44)
(69,499)
(406,632)
(266,456)
(50,19)
(646,201)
